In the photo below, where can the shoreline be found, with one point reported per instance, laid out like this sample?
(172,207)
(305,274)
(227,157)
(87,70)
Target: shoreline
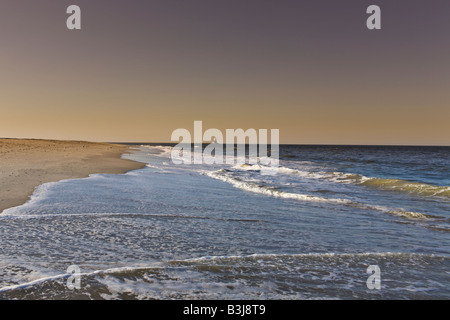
(28,163)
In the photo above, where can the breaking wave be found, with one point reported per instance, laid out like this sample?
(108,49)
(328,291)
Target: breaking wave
(274,192)
(412,187)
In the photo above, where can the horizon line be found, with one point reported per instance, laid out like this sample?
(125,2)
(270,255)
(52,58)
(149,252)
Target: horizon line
(281,144)
(303,144)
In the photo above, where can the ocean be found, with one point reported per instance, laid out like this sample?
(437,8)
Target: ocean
(199,231)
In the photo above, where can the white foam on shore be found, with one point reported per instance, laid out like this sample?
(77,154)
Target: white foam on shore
(222,261)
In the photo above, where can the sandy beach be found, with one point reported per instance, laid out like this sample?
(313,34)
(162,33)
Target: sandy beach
(26,164)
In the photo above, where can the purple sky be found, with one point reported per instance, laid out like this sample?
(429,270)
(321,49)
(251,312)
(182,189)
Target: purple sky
(140,69)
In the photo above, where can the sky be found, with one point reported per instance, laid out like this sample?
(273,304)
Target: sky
(139,69)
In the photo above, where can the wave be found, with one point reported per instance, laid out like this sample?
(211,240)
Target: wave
(312,255)
(274,192)
(390,184)
(161,150)
(408,186)
(270,191)
(255,276)
(412,187)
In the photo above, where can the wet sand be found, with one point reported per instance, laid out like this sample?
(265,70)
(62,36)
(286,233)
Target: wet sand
(26,164)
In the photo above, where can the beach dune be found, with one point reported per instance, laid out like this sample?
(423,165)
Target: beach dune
(28,163)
